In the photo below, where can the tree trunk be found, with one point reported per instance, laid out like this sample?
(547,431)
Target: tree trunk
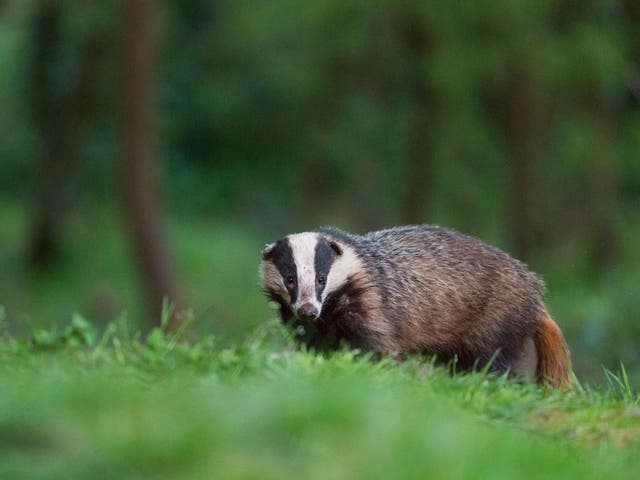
(52,161)
(521,124)
(603,191)
(420,141)
(59,117)
(139,173)
(419,161)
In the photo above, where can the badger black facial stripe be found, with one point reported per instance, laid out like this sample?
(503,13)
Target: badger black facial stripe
(282,258)
(324,257)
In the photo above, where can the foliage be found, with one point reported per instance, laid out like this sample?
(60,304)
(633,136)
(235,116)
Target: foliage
(277,116)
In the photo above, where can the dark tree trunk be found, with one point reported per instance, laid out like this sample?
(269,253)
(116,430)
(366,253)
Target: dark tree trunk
(419,167)
(139,173)
(603,191)
(421,128)
(59,116)
(43,244)
(521,121)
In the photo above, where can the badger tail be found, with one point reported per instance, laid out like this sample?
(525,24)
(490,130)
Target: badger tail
(554,359)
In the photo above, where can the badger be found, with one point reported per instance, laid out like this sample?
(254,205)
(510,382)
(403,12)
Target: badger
(420,289)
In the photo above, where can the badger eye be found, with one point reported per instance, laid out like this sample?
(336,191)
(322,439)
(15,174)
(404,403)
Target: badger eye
(291,280)
(321,279)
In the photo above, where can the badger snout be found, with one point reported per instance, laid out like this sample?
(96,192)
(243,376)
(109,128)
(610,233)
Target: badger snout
(308,312)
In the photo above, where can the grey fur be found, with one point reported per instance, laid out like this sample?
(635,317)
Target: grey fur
(431,290)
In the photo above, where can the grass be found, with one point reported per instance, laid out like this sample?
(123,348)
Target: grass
(75,404)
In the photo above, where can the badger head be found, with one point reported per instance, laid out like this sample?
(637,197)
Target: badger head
(302,270)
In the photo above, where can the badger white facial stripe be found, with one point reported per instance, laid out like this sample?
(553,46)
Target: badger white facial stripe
(277,267)
(273,281)
(346,264)
(303,247)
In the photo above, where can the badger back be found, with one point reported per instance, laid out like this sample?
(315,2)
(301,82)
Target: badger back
(448,292)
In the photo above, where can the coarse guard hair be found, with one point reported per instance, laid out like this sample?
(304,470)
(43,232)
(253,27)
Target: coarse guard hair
(416,289)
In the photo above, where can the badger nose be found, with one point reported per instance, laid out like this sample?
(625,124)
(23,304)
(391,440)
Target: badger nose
(308,311)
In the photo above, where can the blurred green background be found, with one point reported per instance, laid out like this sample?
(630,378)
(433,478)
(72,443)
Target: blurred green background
(514,121)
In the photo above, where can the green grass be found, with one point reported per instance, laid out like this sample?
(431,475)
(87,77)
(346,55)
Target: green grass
(74,404)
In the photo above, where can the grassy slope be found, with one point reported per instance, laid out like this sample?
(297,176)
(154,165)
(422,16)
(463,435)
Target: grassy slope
(75,406)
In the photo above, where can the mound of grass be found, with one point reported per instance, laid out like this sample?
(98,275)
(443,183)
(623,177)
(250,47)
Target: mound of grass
(74,404)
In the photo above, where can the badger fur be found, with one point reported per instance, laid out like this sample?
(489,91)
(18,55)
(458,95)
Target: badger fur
(416,289)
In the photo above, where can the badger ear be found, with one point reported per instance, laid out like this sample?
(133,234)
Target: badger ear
(335,247)
(268,251)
